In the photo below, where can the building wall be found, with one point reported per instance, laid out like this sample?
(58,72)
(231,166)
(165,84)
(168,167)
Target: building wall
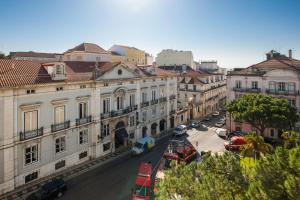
(88,57)
(12,150)
(171,57)
(278,75)
(129,55)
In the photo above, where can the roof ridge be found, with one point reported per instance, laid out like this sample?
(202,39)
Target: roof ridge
(281,61)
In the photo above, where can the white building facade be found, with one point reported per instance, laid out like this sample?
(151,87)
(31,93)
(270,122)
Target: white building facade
(170,57)
(277,76)
(66,113)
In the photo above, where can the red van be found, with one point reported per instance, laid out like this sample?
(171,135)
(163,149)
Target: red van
(235,143)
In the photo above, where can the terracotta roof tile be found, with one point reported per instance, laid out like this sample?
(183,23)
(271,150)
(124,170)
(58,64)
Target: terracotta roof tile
(88,48)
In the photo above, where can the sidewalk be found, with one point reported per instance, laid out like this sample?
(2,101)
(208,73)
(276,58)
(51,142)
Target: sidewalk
(22,191)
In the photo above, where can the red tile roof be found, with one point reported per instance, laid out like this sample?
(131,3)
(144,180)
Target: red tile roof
(87,48)
(23,72)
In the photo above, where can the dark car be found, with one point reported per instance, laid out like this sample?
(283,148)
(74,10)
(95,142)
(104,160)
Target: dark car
(195,125)
(236,133)
(50,190)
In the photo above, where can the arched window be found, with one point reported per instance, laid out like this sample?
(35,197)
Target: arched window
(119,72)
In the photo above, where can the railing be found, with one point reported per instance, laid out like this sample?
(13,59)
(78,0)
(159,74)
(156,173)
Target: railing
(31,134)
(236,89)
(253,90)
(83,120)
(163,99)
(119,112)
(60,126)
(173,96)
(172,112)
(279,92)
(154,101)
(144,104)
(190,90)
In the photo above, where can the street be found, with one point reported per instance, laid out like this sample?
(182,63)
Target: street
(114,180)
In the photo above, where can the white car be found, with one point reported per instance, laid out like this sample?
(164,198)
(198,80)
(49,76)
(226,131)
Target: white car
(180,130)
(221,132)
(216,113)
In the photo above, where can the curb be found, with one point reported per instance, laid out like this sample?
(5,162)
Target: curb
(21,192)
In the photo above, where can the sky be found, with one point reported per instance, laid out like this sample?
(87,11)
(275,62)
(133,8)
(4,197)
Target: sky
(236,33)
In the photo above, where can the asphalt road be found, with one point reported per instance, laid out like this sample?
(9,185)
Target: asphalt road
(114,180)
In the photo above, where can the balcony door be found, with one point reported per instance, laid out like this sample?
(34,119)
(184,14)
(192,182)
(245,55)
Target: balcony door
(30,120)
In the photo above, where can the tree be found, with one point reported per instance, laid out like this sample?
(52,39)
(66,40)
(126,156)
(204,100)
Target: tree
(263,112)
(216,177)
(255,146)
(276,177)
(290,139)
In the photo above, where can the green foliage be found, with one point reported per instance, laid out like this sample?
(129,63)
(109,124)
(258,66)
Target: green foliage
(263,111)
(255,146)
(273,176)
(290,139)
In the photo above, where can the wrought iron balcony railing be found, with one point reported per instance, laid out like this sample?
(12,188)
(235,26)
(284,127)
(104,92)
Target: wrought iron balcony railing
(60,126)
(83,120)
(31,134)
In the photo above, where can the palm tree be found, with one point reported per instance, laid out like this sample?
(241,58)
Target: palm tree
(290,139)
(255,146)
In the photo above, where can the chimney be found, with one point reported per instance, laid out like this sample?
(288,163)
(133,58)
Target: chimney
(290,54)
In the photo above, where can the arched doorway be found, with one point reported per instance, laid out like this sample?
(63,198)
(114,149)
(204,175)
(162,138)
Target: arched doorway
(121,134)
(153,128)
(144,131)
(162,125)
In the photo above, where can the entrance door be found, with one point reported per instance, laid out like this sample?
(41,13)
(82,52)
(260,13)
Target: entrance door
(121,134)
(144,131)
(172,122)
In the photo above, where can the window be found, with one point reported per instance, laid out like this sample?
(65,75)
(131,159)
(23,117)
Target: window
(60,144)
(31,177)
(83,136)
(105,84)
(162,110)
(291,87)
(106,146)
(181,118)
(238,84)
(31,154)
(153,94)
(82,110)
(105,130)
(60,164)
(186,87)
(153,111)
(82,86)
(106,105)
(194,87)
(292,102)
(59,89)
(281,86)
(144,97)
(131,135)
(132,99)
(254,84)
(30,91)
(172,106)
(59,114)
(131,121)
(60,69)
(30,120)
(271,85)
(120,103)
(144,116)
(83,155)
(162,92)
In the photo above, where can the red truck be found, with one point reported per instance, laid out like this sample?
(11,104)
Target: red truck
(142,189)
(235,143)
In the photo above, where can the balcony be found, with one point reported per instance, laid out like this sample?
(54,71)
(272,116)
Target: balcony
(172,112)
(253,90)
(119,112)
(144,104)
(84,120)
(31,134)
(154,101)
(236,89)
(173,96)
(60,126)
(282,92)
(163,99)
(190,90)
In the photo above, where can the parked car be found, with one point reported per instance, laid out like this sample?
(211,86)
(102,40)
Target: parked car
(143,145)
(216,113)
(236,133)
(195,124)
(221,132)
(235,143)
(219,124)
(50,190)
(207,119)
(180,130)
